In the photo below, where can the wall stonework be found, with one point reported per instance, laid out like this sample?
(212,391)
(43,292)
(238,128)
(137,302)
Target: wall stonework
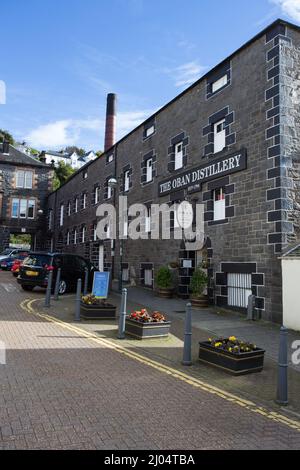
(262,201)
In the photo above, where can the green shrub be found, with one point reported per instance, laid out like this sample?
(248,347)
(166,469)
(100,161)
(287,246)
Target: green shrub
(198,282)
(163,278)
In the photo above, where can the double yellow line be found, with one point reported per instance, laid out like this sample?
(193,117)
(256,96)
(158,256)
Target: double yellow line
(27,305)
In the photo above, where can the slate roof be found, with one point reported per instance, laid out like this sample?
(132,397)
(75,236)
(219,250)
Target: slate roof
(57,154)
(19,158)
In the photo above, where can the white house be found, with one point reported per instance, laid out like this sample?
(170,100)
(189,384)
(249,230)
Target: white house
(76,161)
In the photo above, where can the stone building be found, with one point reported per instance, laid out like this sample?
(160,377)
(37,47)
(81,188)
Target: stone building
(24,186)
(229,141)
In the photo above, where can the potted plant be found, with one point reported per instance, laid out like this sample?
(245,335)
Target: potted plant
(197,286)
(92,308)
(141,324)
(164,282)
(232,355)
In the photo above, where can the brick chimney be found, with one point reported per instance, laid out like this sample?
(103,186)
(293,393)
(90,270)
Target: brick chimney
(110,123)
(5,147)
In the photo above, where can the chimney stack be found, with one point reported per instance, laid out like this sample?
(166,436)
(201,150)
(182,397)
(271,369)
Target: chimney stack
(5,147)
(110,123)
(42,156)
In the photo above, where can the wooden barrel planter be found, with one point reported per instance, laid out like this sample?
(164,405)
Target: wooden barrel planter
(165,293)
(234,363)
(142,330)
(97,312)
(200,302)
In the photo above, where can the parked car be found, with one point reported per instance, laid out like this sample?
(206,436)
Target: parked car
(34,271)
(10,252)
(7,263)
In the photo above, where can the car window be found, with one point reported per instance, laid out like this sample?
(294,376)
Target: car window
(81,263)
(37,260)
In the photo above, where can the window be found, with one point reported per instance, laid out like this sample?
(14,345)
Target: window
(109,192)
(75,236)
(219,136)
(61,215)
(84,201)
(76,204)
(30,209)
(83,234)
(24,179)
(85,175)
(149,165)
(110,158)
(239,289)
(23,208)
(68,238)
(50,219)
(148,277)
(148,220)
(97,194)
(95,232)
(218,84)
(178,156)
(219,204)
(126,180)
(149,131)
(69,208)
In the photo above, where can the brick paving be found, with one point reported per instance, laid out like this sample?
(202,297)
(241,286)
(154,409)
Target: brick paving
(59,390)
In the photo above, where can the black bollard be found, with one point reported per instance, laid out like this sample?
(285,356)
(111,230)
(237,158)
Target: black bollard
(86,280)
(78,300)
(282,381)
(122,317)
(57,284)
(187,347)
(48,291)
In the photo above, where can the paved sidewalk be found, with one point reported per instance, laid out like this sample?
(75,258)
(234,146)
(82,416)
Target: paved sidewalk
(261,387)
(63,390)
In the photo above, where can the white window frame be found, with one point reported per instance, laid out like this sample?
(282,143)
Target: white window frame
(50,219)
(178,156)
(15,200)
(149,131)
(148,220)
(219,136)
(68,237)
(149,168)
(110,158)
(109,192)
(97,194)
(220,83)
(75,236)
(219,204)
(76,205)
(69,208)
(83,233)
(33,205)
(61,215)
(24,179)
(23,202)
(95,233)
(126,181)
(84,201)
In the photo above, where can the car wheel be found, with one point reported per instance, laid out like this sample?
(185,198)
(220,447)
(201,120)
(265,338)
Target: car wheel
(27,288)
(62,289)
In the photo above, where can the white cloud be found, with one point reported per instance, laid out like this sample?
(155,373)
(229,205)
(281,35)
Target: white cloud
(186,74)
(290,8)
(65,132)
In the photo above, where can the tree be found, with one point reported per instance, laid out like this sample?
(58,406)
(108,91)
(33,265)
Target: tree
(73,148)
(5,135)
(62,173)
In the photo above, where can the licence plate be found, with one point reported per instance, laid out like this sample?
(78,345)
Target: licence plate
(32,273)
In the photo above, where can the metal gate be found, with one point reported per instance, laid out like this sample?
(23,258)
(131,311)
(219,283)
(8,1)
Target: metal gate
(239,289)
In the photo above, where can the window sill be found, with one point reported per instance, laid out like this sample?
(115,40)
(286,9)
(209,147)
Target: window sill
(218,222)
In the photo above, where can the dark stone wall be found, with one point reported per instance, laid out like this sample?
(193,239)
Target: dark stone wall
(259,201)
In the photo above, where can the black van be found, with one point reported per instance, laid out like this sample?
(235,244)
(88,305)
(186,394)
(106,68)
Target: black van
(35,269)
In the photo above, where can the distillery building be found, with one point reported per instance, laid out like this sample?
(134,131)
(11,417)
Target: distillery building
(231,142)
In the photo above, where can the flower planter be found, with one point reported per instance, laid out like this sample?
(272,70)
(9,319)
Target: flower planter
(97,312)
(165,293)
(235,364)
(141,330)
(200,302)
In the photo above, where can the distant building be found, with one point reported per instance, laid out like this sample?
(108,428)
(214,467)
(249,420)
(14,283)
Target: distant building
(73,159)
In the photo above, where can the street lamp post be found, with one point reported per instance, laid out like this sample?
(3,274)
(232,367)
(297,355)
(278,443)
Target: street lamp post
(113,183)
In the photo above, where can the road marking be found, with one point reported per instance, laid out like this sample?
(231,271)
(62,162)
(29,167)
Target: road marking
(27,305)
(8,287)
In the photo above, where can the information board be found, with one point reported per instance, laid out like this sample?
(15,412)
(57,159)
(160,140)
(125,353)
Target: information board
(101,284)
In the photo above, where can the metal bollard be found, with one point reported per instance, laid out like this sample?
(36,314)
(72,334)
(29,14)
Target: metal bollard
(57,284)
(122,317)
(282,381)
(250,307)
(86,280)
(187,347)
(78,300)
(48,291)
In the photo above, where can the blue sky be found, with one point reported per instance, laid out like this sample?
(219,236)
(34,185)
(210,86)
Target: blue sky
(59,59)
